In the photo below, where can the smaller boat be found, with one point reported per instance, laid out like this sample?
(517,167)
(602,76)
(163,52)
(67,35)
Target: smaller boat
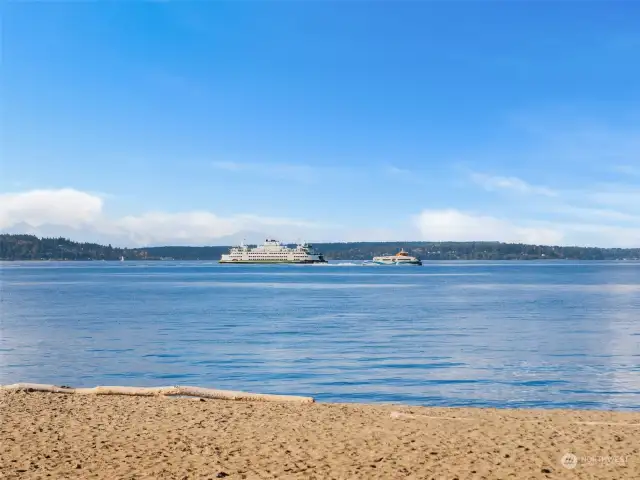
(400,258)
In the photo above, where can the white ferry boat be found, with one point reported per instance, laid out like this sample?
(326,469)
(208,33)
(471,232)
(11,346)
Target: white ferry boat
(272,251)
(400,258)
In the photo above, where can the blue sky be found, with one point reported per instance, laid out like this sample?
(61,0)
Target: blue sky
(202,122)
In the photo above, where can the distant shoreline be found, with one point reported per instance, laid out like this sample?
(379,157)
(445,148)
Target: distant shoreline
(29,247)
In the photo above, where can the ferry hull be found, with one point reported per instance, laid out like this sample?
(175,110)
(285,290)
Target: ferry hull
(398,263)
(272,262)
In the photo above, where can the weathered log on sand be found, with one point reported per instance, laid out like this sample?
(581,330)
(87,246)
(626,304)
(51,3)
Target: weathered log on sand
(37,387)
(157,391)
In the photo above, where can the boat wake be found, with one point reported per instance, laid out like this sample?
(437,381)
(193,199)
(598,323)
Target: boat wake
(341,264)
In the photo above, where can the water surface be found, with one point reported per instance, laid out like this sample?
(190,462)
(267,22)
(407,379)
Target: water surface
(503,334)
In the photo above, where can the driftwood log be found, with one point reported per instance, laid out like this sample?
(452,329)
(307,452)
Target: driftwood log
(157,391)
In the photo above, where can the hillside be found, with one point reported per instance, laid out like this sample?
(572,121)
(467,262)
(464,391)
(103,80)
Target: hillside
(29,247)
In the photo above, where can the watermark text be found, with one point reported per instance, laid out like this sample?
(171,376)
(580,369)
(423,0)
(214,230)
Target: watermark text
(571,461)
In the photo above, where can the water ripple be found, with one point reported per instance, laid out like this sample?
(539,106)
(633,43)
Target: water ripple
(514,334)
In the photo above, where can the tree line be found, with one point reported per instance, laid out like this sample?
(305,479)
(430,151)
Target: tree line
(30,247)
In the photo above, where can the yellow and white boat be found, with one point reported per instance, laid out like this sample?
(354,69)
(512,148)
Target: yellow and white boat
(400,258)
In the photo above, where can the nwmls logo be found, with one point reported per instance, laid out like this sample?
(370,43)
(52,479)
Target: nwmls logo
(571,461)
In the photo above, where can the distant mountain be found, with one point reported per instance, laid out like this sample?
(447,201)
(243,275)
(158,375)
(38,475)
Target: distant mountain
(30,247)
(249,237)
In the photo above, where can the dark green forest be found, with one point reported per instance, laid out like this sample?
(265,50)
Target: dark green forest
(29,247)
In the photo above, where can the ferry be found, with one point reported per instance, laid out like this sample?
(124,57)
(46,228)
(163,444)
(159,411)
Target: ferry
(272,251)
(400,258)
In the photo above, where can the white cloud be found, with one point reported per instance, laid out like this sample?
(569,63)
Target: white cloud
(583,211)
(398,171)
(67,206)
(200,227)
(598,235)
(81,215)
(454,225)
(619,197)
(229,166)
(154,227)
(279,171)
(403,174)
(494,183)
(597,214)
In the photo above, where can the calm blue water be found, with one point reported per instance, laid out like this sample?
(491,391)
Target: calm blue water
(454,334)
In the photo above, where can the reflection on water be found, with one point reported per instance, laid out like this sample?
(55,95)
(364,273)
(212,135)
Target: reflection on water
(457,333)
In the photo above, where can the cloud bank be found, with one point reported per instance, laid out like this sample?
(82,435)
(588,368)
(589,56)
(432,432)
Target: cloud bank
(67,207)
(81,215)
(454,225)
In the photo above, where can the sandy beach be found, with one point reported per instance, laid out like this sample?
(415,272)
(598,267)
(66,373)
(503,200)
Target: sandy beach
(72,436)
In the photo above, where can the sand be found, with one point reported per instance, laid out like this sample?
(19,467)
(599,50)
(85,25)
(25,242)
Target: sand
(47,435)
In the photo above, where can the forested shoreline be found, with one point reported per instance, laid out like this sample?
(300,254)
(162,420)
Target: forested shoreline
(30,247)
